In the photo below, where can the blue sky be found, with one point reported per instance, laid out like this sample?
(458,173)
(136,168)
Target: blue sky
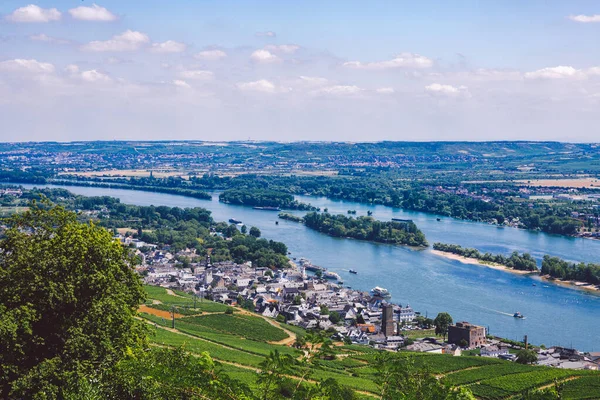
(291,70)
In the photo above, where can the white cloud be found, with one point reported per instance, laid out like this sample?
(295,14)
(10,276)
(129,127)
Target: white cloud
(262,85)
(403,60)
(127,41)
(211,55)
(385,90)
(264,56)
(593,71)
(117,60)
(93,13)
(313,80)
(181,84)
(283,48)
(266,34)
(485,74)
(447,90)
(42,37)
(170,46)
(21,65)
(560,72)
(340,90)
(584,18)
(72,69)
(33,13)
(197,74)
(93,76)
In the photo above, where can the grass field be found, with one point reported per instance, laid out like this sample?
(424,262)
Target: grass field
(240,342)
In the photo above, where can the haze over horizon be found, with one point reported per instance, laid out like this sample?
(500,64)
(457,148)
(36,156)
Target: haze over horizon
(299,71)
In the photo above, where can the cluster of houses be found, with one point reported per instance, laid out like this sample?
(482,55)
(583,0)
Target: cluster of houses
(289,295)
(355,316)
(11,192)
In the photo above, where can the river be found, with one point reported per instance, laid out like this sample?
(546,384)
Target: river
(555,315)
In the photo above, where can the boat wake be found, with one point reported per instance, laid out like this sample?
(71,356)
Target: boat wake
(499,312)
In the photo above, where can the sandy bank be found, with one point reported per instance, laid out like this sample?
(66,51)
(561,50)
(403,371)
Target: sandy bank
(474,261)
(572,284)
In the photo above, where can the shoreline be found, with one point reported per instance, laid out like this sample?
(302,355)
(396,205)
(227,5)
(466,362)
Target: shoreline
(588,287)
(584,286)
(474,261)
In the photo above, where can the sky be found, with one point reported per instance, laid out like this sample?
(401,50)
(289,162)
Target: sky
(300,70)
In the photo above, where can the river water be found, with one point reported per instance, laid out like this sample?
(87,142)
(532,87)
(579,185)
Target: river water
(555,315)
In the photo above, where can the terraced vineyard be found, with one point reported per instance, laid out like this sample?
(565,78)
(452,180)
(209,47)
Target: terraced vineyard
(241,341)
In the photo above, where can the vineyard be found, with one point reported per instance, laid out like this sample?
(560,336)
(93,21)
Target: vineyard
(240,342)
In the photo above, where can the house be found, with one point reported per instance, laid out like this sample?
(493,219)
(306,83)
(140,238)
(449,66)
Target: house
(394,342)
(289,293)
(358,336)
(453,350)
(493,351)
(406,314)
(425,347)
(367,328)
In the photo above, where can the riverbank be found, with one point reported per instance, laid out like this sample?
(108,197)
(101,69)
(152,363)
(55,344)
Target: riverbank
(474,261)
(572,284)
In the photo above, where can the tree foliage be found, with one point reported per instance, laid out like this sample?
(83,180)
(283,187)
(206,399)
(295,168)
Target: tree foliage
(366,228)
(526,356)
(524,262)
(442,322)
(68,298)
(561,269)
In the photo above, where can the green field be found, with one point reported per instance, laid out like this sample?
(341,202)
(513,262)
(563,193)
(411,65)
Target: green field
(253,328)
(587,387)
(240,342)
(182,301)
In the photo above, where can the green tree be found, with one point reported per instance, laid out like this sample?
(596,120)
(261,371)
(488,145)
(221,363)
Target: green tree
(442,322)
(254,231)
(244,229)
(272,374)
(68,298)
(164,374)
(526,356)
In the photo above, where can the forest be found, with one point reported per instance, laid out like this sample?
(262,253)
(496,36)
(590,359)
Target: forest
(565,270)
(522,262)
(366,228)
(263,198)
(177,228)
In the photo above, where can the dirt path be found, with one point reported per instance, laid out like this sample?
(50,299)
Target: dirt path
(285,342)
(172,293)
(571,378)
(159,313)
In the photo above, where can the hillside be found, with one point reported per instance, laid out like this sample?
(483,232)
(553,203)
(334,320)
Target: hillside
(241,342)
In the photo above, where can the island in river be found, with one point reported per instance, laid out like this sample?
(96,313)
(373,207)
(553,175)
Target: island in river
(363,228)
(573,284)
(475,261)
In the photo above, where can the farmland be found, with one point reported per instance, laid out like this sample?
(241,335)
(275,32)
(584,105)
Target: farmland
(240,343)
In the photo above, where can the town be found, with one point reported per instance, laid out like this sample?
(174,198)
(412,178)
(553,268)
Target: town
(352,316)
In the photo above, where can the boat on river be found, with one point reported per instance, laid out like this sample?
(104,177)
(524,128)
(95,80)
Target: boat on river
(352,271)
(267,208)
(518,315)
(380,292)
(331,275)
(234,221)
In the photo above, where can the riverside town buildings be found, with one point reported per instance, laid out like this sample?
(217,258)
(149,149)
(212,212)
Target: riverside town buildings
(464,332)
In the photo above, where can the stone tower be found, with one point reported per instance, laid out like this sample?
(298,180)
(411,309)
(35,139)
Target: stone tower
(387,320)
